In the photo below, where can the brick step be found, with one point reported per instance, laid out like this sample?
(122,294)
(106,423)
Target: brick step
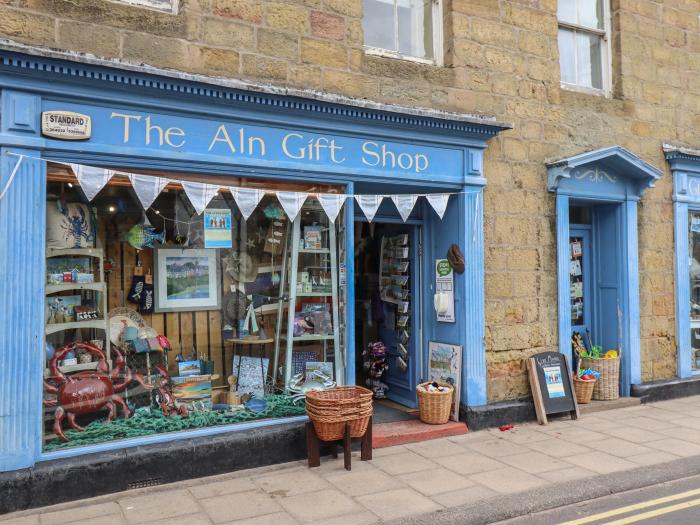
(402,432)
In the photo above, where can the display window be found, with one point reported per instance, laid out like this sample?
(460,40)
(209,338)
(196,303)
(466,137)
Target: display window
(694,275)
(174,303)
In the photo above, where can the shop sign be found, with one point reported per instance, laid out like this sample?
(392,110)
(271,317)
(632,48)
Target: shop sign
(66,125)
(444,291)
(551,387)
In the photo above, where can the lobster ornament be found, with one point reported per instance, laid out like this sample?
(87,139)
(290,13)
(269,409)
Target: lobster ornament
(88,391)
(162,396)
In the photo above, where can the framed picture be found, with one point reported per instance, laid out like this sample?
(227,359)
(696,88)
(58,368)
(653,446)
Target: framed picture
(186,280)
(445,364)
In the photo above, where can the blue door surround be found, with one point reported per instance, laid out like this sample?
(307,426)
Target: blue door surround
(611,180)
(685,166)
(444,153)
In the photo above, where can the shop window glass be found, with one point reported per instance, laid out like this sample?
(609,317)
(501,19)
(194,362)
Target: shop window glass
(694,270)
(401,27)
(175,318)
(583,36)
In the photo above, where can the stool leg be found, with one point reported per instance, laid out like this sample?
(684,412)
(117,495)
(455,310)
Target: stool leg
(312,446)
(334,450)
(347,448)
(366,443)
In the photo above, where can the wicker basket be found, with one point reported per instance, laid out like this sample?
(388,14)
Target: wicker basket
(434,407)
(607,387)
(330,410)
(584,390)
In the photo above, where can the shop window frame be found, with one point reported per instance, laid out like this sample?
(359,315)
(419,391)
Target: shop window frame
(605,35)
(438,37)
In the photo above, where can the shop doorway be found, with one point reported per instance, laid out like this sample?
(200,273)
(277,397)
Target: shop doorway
(598,272)
(387,306)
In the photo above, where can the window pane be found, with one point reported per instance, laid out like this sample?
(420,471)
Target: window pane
(590,13)
(567,56)
(566,11)
(379,24)
(588,61)
(415,28)
(694,271)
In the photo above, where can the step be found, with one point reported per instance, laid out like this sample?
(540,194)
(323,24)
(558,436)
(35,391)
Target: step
(402,432)
(599,406)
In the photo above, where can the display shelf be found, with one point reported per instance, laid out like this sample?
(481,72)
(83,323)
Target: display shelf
(63,252)
(74,368)
(98,324)
(308,250)
(67,287)
(315,294)
(310,337)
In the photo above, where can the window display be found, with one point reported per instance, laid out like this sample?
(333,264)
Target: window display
(159,318)
(694,274)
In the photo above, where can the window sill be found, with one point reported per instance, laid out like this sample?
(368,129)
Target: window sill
(383,53)
(602,93)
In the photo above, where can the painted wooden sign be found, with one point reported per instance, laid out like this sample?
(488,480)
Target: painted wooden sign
(66,125)
(550,383)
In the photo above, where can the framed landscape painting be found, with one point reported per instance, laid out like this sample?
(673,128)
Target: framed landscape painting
(186,280)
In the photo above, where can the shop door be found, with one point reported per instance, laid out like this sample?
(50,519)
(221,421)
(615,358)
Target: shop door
(608,269)
(399,331)
(581,278)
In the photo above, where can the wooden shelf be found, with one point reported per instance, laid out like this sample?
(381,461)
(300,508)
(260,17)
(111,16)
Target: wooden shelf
(98,324)
(309,250)
(66,287)
(61,252)
(74,368)
(311,337)
(315,294)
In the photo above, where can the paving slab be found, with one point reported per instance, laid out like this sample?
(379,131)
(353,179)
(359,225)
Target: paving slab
(635,435)
(436,448)
(158,506)
(357,483)
(403,463)
(652,458)
(80,513)
(112,519)
(229,486)
(277,518)
(678,447)
(464,496)
(567,474)
(534,462)
(508,480)
(399,503)
(469,463)
(320,505)
(558,448)
(238,506)
(291,483)
(189,519)
(601,462)
(496,448)
(432,482)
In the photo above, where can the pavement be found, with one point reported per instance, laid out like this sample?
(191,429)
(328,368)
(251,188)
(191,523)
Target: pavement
(478,477)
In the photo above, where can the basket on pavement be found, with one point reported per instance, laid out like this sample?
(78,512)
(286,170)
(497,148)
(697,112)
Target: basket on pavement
(607,387)
(329,411)
(583,390)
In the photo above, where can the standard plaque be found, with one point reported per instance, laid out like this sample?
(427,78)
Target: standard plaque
(65,125)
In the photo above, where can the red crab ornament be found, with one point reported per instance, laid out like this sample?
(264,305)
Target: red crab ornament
(162,396)
(88,391)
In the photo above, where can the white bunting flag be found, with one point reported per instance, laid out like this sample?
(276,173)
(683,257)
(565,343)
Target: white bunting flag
(147,188)
(369,204)
(91,179)
(331,204)
(291,202)
(439,202)
(247,199)
(199,194)
(405,204)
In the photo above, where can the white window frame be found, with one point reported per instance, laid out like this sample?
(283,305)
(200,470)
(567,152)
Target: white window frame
(437,41)
(164,6)
(606,53)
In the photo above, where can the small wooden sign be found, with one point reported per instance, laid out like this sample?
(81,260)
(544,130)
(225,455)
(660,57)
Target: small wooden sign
(66,125)
(551,386)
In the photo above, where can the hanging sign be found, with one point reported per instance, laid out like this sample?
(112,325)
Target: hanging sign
(66,125)
(444,291)
(550,383)
(217,228)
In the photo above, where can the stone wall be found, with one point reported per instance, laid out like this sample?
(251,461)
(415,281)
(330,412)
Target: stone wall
(501,59)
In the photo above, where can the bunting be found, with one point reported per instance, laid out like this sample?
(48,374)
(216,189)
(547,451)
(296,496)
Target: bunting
(291,202)
(147,188)
(405,204)
(439,202)
(199,194)
(331,204)
(91,179)
(247,199)
(369,204)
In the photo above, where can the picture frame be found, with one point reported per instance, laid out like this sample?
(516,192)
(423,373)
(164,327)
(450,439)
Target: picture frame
(445,365)
(186,280)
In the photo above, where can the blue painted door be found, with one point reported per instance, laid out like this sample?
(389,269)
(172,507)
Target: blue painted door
(402,382)
(581,278)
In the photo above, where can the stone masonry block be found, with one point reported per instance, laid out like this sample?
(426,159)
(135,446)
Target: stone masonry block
(226,33)
(278,44)
(257,66)
(88,38)
(325,25)
(287,17)
(27,27)
(247,10)
(323,53)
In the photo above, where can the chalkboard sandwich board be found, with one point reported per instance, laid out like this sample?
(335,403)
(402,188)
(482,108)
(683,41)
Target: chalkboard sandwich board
(550,383)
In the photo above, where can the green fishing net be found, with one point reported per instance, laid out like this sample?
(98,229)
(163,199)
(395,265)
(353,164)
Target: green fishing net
(146,422)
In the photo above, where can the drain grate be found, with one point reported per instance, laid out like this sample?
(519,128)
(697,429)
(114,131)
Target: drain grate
(150,482)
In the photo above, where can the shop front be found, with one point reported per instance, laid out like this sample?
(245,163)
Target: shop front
(685,165)
(182,258)
(597,254)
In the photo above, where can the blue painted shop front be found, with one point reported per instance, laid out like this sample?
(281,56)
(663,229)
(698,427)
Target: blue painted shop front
(597,251)
(145,122)
(685,166)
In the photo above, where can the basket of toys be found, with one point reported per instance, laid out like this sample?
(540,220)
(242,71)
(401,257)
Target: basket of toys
(434,402)
(607,387)
(584,383)
(330,410)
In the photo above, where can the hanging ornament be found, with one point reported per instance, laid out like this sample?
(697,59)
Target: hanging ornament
(147,188)
(247,199)
(291,202)
(369,204)
(405,204)
(91,179)
(199,194)
(439,202)
(331,204)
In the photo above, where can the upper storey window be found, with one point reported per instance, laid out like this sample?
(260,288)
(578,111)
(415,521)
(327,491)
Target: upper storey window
(584,54)
(403,28)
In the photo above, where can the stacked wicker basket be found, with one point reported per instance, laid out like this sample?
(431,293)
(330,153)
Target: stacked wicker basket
(434,406)
(330,410)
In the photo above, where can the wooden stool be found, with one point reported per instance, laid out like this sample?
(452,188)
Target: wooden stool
(313,445)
